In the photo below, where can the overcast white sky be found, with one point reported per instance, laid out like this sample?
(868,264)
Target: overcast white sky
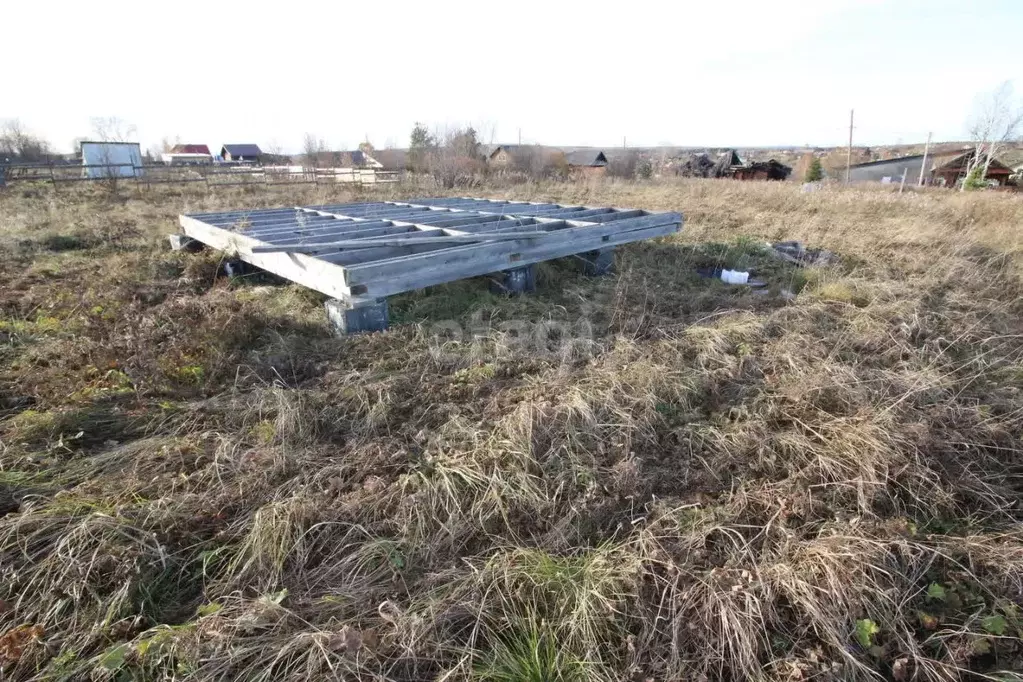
(727,72)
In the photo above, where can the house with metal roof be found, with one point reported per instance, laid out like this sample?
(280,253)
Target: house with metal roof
(952,172)
(946,168)
(525,157)
(505,155)
(586,158)
(241,152)
(191,149)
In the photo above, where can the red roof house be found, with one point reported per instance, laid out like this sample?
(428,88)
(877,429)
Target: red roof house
(191,149)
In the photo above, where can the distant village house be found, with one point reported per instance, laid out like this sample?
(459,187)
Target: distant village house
(241,152)
(526,157)
(943,169)
(763,170)
(728,164)
(507,155)
(950,173)
(343,159)
(587,162)
(187,155)
(191,149)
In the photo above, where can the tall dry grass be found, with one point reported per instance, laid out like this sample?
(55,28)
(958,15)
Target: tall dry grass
(198,481)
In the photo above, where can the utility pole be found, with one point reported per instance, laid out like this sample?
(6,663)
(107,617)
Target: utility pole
(923,164)
(848,153)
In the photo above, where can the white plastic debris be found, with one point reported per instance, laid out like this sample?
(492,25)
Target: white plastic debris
(734,277)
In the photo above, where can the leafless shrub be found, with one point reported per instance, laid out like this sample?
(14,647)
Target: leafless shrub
(313,148)
(455,160)
(623,165)
(18,144)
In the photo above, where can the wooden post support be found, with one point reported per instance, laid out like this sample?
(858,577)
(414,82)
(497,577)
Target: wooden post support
(514,281)
(236,267)
(598,263)
(348,317)
(180,242)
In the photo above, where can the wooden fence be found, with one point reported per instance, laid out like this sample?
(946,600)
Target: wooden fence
(211,176)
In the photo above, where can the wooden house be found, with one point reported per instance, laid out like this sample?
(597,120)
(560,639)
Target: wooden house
(241,152)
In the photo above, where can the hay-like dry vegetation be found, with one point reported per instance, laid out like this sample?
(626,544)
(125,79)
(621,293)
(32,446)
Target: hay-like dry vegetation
(650,476)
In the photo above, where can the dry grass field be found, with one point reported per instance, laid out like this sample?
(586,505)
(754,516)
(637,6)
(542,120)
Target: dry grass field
(649,476)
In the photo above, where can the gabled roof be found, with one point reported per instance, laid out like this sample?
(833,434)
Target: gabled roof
(960,162)
(242,149)
(190,149)
(586,157)
(771,163)
(732,156)
(913,157)
(510,148)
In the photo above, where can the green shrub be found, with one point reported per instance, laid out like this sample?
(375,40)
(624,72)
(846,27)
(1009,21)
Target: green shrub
(815,172)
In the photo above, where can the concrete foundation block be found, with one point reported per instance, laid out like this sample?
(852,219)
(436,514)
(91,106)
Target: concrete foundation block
(346,317)
(598,263)
(514,281)
(180,242)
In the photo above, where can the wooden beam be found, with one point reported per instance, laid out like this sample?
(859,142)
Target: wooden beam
(373,242)
(356,256)
(587,238)
(611,217)
(448,269)
(284,241)
(319,228)
(325,277)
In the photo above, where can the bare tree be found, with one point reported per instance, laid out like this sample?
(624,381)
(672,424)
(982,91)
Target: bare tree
(453,156)
(168,145)
(537,161)
(112,129)
(997,120)
(623,165)
(312,148)
(16,142)
(274,154)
